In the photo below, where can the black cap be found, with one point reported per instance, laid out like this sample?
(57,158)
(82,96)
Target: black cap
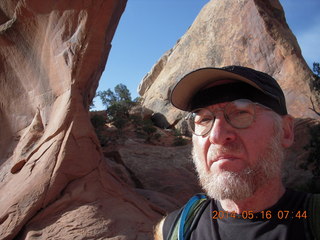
(204,87)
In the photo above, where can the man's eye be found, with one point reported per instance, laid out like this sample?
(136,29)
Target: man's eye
(240,117)
(240,112)
(203,120)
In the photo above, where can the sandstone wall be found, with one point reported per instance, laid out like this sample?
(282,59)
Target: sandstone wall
(55,183)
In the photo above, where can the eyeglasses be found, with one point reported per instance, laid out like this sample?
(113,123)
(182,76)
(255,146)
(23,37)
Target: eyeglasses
(239,114)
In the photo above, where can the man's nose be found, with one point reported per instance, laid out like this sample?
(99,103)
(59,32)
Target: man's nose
(221,132)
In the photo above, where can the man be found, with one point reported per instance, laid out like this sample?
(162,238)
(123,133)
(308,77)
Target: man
(241,128)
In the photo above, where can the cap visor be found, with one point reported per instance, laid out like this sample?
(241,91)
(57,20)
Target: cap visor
(194,81)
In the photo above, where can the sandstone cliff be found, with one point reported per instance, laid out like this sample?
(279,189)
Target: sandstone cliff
(55,183)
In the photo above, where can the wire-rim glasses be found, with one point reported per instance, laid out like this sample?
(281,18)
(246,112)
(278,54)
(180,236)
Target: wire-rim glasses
(239,114)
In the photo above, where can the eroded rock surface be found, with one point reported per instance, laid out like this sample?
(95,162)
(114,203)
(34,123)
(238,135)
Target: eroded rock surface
(55,183)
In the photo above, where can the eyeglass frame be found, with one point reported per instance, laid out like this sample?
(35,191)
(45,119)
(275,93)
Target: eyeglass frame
(213,113)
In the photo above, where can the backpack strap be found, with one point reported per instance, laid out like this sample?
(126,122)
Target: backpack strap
(188,218)
(314,218)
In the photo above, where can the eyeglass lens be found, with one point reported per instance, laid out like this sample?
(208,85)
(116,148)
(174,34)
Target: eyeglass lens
(239,114)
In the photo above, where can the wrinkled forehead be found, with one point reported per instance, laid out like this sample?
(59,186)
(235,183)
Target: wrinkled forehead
(235,104)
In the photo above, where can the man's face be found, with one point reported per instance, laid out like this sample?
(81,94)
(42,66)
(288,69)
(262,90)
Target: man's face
(233,163)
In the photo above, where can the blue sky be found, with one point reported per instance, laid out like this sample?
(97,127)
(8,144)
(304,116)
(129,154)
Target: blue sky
(148,28)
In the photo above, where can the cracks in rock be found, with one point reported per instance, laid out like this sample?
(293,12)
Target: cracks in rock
(116,157)
(36,150)
(67,133)
(44,199)
(7,25)
(36,160)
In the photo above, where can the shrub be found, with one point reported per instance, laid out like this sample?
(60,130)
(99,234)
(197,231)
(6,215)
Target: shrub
(313,160)
(97,121)
(148,128)
(179,140)
(118,104)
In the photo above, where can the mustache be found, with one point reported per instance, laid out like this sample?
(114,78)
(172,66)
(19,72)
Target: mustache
(231,148)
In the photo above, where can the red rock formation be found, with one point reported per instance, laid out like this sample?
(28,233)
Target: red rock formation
(55,183)
(166,170)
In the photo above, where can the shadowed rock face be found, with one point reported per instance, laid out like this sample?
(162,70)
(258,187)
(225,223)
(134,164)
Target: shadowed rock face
(245,32)
(55,184)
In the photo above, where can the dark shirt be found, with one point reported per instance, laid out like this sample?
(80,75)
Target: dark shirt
(287,219)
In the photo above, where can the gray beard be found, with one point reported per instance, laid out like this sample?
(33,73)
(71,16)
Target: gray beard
(241,185)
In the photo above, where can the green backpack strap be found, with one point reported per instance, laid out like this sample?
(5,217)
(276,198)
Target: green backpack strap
(188,217)
(314,218)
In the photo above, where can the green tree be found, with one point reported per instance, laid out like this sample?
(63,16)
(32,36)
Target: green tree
(118,104)
(120,95)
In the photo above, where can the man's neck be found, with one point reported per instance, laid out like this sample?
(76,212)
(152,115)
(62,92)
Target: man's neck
(263,198)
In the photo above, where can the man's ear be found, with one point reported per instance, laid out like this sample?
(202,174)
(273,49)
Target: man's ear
(288,131)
